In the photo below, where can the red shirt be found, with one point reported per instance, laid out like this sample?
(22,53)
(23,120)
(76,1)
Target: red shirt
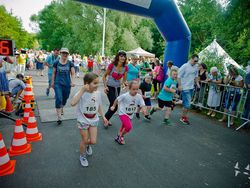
(90,63)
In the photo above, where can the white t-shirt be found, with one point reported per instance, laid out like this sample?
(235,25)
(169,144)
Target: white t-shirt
(128,104)
(87,108)
(187,73)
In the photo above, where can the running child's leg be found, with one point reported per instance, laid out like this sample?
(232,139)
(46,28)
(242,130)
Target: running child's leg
(168,112)
(83,144)
(92,135)
(127,124)
(125,128)
(84,141)
(156,108)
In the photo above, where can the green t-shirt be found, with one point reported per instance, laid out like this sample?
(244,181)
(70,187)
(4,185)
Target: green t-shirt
(167,96)
(144,65)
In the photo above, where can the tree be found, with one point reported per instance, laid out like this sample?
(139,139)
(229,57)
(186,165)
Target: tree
(79,27)
(11,28)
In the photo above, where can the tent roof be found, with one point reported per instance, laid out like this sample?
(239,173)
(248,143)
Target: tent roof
(214,47)
(140,52)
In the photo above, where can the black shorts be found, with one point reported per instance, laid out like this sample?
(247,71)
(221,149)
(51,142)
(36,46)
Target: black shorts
(162,103)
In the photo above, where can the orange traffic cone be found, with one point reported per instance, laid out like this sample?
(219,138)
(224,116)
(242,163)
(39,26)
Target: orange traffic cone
(7,166)
(19,144)
(27,110)
(29,81)
(28,93)
(9,108)
(32,133)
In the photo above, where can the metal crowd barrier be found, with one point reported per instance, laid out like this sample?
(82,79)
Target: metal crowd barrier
(227,96)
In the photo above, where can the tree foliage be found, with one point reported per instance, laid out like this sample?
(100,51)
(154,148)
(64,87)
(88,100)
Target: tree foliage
(79,27)
(230,25)
(11,28)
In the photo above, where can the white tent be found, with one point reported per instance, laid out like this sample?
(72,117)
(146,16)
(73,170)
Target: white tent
(214,47)
(139,52)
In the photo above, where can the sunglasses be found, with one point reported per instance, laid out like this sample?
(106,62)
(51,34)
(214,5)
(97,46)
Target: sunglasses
(64,53)
(196,61)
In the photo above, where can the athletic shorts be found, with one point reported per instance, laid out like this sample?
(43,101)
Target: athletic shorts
(85,126)
(162,103)
(147,102)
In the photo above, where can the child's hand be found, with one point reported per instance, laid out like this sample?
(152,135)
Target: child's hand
(106,90)
(112,108)
(106,122)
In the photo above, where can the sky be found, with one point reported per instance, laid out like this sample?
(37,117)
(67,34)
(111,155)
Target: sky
(25,8)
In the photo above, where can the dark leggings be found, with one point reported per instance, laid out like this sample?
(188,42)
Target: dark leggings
(112,94)
(155,82)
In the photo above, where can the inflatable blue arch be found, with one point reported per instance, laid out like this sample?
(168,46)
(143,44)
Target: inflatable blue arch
(166,16)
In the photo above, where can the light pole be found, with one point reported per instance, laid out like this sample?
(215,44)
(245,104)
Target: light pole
(103,32)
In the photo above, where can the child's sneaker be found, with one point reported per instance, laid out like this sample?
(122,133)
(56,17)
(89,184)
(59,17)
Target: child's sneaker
(120,140)
(184,120)
(152,111)
(147,117)
(137,115)
(89,150)
(83,160)
(167,122)
(117,138)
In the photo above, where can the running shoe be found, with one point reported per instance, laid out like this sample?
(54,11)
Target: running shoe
(62,112)
(59,122)
(185,121)
(137,115)
(117,138)
(152,111)
(105,126)
(120,140)
(166,122)
(147,117)
(89,150)
(83,160)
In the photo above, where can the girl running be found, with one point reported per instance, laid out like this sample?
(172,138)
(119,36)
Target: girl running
(128,103)
(88,101)
(165,97)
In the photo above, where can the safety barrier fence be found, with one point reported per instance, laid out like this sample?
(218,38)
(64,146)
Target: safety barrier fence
(230,101)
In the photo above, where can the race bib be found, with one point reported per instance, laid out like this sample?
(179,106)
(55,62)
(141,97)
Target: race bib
(130,109)
(147,94)
(173,86)
(89,110)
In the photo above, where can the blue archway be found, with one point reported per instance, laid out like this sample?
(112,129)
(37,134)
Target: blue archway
(168,19)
